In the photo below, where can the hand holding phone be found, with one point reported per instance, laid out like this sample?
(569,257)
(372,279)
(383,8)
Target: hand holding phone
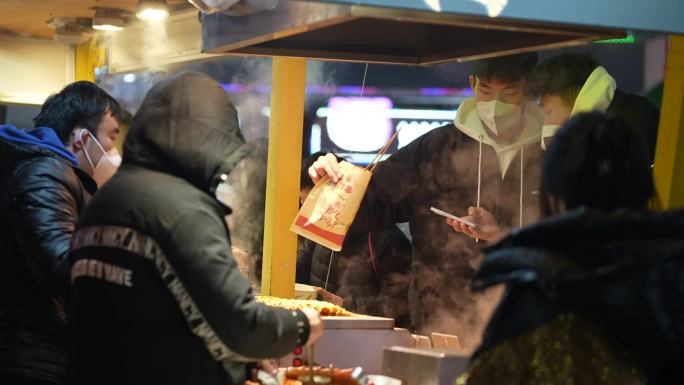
(453,217)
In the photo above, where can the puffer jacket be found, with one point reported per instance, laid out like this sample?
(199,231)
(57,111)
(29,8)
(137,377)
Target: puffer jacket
(591,297)
(440,169)
(370,273)
(157,295)
(42,193)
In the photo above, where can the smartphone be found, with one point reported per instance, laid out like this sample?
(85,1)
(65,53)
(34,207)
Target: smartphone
(445,214)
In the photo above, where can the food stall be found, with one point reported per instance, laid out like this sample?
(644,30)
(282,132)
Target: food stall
(417,32)
(402,32)
(345,333)
(421,32)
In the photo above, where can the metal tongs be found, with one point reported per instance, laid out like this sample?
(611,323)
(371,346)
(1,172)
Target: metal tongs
(311,378)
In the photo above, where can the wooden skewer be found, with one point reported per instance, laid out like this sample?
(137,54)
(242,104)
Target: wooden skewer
(310,353)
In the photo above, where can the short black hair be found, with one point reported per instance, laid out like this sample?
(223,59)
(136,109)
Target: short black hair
(305,181)
(599,162)
(81,103)
(512,68)
(563,75)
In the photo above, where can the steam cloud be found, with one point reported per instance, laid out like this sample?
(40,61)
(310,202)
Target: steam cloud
(465,313)
(249,178)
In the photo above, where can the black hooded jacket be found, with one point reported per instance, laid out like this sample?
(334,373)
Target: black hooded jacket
(440,169)
(41,196)
(620,273)
(158,297)
(370,273)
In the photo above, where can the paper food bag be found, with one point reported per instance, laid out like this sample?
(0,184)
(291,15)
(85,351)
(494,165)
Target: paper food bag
(330,208)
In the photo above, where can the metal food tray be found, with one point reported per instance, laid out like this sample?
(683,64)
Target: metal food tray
(357,322)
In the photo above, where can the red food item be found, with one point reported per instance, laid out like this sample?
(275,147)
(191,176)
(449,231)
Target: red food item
(338,376)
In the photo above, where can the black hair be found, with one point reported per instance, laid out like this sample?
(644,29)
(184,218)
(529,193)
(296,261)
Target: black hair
(511,68)
(599,162)
(304,180)
(82,104)
(562,75)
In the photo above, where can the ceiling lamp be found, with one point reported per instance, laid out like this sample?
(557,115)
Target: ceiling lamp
(152,10)
(108,19)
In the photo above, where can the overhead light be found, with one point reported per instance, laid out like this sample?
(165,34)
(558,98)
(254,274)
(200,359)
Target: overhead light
(108,19)
(152,10)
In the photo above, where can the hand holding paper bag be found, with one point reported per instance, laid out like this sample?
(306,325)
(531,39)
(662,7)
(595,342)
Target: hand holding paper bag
(330,208)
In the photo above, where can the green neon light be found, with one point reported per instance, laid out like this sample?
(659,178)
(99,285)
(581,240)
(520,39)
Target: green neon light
(629,39)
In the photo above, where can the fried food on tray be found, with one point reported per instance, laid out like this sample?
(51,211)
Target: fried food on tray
(323,308)
(289,381)
(337,376)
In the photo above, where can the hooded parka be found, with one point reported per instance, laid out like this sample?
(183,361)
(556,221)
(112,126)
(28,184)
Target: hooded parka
(453,168)
(600,93)
(591,297)
(158,297)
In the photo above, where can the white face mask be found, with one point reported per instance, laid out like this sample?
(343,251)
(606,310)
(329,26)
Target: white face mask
(106,166)
(229,191)
(114,156)
(548,131)
(226,194)
(498,116)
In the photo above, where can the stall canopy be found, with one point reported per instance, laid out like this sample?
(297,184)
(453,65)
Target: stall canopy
(423,32)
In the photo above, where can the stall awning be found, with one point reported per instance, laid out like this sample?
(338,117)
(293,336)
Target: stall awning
(380,32)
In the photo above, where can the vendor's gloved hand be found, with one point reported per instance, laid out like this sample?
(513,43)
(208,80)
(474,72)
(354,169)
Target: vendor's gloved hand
(487,228)
(325,165)
(328,296)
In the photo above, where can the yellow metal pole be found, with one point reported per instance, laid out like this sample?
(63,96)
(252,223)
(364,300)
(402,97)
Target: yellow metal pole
(282,181)
(84,69)
(668,171)
(89,55)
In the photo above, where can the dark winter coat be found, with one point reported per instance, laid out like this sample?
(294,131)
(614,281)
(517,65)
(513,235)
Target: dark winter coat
(606,287)
(640,113)
(440,169)
(370,273)
(42,193)
(158,297)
